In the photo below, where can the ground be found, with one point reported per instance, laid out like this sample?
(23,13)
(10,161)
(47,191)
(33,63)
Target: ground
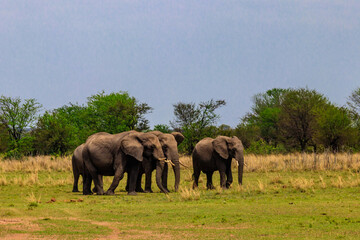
(301,204)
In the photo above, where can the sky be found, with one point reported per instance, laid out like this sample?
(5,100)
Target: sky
(165,52)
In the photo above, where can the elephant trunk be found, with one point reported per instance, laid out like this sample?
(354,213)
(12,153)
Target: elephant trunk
(240,169)
(159,171)
(174,156)
(176,168)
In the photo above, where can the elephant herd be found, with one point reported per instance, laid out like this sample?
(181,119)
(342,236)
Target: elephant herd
(138,153)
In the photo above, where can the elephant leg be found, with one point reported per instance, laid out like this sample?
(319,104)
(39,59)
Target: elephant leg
(147,168)
(209,183)
(133,174)
(138,183)
(76,181)
(119,174)
(127,182)
(95,177)
(222,179)
(148,174)
(196,176)
(165,176)
(229,175)
(100,183)
(87,183)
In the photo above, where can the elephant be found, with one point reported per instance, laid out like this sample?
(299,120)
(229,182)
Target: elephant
(114,154)
(210,155)
(169,143)
(78,165)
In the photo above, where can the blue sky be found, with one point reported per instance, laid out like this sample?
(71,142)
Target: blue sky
(164,52)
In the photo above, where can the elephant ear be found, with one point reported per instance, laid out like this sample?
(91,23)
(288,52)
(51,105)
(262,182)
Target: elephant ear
(238,142)
(178,137)
(132,146)
(221,147)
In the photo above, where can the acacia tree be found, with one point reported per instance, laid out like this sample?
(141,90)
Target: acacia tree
(196,121)
(17,116)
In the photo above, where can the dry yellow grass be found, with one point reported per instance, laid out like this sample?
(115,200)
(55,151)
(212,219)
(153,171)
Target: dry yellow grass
(302,184)
(188,194)
(295,162)
(254,163)
(35,164)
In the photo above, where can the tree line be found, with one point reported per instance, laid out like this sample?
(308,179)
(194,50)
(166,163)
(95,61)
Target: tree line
(279,121)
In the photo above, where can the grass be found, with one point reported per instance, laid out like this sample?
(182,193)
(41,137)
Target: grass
(282,201)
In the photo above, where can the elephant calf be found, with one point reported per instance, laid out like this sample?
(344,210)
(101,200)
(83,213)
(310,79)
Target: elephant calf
(78,168)
(211,155)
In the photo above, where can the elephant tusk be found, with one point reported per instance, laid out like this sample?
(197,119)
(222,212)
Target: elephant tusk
(237,163)
(169,161)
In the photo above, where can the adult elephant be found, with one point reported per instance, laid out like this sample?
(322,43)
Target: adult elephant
(114,154)
(211,155)
(169,143)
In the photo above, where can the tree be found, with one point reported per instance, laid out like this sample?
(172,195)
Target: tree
(54,134)
(117,112)
(195,122)
(225,130)
(247,133)
(16,116)
(4,138)
(79,119)
(354,105)
(354,101)
(162,128)
(298,118)
(334,127)
(265,114)
(63,129)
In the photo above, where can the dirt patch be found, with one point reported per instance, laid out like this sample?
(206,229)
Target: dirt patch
(18,225)
(144,234)
(16,236)
(9,221)
(114,231)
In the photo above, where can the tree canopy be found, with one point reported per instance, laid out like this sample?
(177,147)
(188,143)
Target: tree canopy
(17,116)
(279,121)
(63,129)
(196,121)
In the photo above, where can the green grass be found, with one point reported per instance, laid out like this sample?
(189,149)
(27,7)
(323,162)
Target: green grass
(273,205)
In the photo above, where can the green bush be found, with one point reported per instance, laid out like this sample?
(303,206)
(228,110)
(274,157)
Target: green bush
(261,147)
(23,147)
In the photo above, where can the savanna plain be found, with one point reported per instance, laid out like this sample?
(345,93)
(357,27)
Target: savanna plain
(295,196)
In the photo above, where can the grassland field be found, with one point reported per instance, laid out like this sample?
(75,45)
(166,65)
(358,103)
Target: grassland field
(296,196)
